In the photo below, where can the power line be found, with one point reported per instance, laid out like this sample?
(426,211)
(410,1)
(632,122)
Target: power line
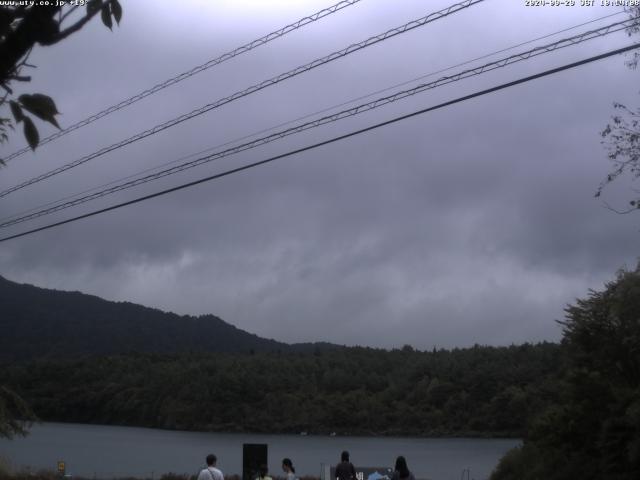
(304,117)
(331,140)
(189,73)
(503,62)
(254,88)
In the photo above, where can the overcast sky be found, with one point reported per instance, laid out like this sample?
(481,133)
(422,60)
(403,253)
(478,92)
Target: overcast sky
(471,224)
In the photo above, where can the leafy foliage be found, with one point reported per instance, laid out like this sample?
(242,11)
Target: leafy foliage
(15,414)
(634,12)
(592,429)
(23,26)
(479,391)
(621,137)
(221,378)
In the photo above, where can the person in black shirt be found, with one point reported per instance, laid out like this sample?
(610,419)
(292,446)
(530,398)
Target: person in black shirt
(345,469)
(401,470)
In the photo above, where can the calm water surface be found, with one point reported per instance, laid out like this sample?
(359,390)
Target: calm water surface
(107,452)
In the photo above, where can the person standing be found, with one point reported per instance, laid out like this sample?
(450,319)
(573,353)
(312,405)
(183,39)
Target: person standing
(263,473)
(211,472)
(287,468)
(345,469)
(401,470)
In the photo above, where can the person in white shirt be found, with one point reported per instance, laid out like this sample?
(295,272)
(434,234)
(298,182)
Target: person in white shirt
(263,473)
(211,472)
(287,468)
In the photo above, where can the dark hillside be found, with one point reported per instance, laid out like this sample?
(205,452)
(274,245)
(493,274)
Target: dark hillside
(42,323)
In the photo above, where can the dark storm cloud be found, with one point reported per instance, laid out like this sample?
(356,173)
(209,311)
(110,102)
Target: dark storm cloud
(475,223)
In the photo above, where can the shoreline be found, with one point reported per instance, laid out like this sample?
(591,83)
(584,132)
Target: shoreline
(473,435)
(116,452)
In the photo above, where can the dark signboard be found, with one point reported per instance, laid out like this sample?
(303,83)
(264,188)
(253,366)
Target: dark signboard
(253,456)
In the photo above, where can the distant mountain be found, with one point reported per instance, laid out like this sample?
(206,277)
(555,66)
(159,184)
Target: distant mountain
(42,323)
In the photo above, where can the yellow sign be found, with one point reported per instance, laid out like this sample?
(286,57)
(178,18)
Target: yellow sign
(61,468)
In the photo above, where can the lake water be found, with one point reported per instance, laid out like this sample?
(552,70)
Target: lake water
(108,452)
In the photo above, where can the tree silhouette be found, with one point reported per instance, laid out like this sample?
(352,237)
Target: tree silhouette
(23,27)
(621,136)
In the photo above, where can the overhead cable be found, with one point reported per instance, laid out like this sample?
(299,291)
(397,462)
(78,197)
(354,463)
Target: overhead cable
(350,112)
(254,88)
(304,117)
(329,141)
(190,73)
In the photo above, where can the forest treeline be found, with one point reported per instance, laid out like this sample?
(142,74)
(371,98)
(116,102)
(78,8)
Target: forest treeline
(591,431)
(478,391)
(575,404)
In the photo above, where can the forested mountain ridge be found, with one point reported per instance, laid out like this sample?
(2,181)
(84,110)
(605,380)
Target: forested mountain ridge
(78,358)
(42,323)
(478,391)
(576,404)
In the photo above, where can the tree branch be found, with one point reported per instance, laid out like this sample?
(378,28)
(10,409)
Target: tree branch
(69,12)
(20,78)
(76,26)
(23,38)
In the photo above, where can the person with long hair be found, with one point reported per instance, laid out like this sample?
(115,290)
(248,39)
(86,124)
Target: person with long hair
(401,471)
(287,468)
(263,473)
(345,469)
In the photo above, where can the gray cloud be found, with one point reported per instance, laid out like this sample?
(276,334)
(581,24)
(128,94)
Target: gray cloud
(475,223)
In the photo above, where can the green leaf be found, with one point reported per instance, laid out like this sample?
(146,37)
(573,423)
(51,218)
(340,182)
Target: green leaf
(31,133)
(106,16)
(41,102)
(93,6)
(16,111)
(116,10)
(41,106)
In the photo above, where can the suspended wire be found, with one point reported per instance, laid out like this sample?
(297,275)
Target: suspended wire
(255,88)
(329,141)
(503,62)
(304,117)
(340,115)
(190,73)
